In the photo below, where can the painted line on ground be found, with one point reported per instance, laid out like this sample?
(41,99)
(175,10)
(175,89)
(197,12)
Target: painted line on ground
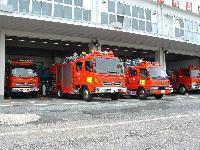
(97,125)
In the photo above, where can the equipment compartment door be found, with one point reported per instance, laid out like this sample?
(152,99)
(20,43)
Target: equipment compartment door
(67,75)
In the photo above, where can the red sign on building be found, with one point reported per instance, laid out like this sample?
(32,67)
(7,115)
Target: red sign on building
(189,6)
(160,1)
(175,3)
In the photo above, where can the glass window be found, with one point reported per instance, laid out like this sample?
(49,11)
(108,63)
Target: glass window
(141,13)
(135,11)
(36,8)
(141,25)
(181,23)
(187,35)
(87,15)
(79,66)
(78,14)
(177,34)
(13,4)
(155,28)
(104,18)
(195,27)
(143,73)
(120,8)
(148,26)
(24,6)
(46,9)
(88,65)
(135,24)
(148,14)
(190,25)
(58,10)
(59,1)
(127,23)
(78,3)
(112,18)
(111,6)
(120,19)
(68,2)
(67,12)
(127,10)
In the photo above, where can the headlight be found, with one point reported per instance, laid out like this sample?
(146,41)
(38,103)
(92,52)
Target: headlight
(194,83)
(154,88)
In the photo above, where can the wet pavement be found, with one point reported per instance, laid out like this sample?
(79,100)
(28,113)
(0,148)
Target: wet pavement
(49,123)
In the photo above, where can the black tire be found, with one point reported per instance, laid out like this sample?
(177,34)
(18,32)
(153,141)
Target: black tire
(182,90)
(59,94)
(115,96)
(141,94)
(33,94)
(159,96)
(86,95)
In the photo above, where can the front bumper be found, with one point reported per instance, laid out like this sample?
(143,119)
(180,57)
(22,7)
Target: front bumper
(195,87)
(24,90)
(102,90)
(158,92)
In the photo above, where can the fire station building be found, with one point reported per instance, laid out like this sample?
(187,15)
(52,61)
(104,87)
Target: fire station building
(49,30)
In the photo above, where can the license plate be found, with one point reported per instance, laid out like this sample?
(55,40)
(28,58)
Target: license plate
(162,91)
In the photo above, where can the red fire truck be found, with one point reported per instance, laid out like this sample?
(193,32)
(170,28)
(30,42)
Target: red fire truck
(144,78)
(21,77)
(186,79)
(95,74)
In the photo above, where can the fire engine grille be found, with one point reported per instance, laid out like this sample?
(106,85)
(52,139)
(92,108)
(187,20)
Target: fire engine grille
(24,84)
(161,88)
(112,83)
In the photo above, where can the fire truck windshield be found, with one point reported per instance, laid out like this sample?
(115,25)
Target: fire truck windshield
(195,73)
(157,73)
(23,72)
(108,65)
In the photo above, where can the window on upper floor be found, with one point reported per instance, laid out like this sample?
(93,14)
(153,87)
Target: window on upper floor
(111,6)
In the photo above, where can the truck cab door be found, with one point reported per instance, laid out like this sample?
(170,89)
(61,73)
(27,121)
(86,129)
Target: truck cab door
(133,80)
(78,75)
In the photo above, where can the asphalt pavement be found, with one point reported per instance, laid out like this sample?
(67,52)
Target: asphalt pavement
(49,123)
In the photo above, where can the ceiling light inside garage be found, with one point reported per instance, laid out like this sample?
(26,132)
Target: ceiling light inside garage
(21,40)
(126,50)
(45,42)
(79,45)
(116,49)
(144,52)
(55,43)
(9,39)
(32,41)
(67,44)
(107,48)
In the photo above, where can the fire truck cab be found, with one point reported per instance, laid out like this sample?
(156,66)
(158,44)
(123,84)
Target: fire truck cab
(186,79)
(144,78)
(98,73)
(21,77)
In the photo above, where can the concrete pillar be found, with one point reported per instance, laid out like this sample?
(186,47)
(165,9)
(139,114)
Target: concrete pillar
(94,45)
(58,60)
(160,57)
(160,16)
(2,64)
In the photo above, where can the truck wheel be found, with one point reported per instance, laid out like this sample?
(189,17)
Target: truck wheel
(33,94)
(59,94)
(182,90)
(158,96)
(141,93)
(115,96)
(86,95)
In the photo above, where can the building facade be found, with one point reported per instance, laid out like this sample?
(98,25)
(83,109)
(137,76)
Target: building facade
(157,25)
